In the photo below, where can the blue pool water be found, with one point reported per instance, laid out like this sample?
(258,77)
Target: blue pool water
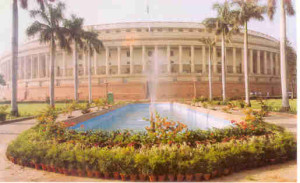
(131,117)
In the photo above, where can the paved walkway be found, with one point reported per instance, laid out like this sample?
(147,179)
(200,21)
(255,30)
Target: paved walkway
(286,172)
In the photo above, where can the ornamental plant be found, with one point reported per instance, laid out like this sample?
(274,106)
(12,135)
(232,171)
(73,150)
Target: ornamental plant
(100,103)
(85,108)
(48,115)
(70,107)
(164,129)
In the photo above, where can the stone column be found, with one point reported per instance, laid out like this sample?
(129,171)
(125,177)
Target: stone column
(272,63)
(265,62)
(277,64)
(204,60)
(258,62)
(107,61)
(85,64)
(119,60)
(25,67)
(38,66)
(95,63)
(192,59)
(47,65)
(168,58)
(65,64)
(180,59)
(131,60)
(156,64)
(234,60)
(143,59)
(31,67)
(214,60)
(251,62)
(242,61)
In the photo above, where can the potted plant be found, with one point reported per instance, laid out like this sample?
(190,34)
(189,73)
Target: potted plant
(199,166)
(189,170)
(181,170)
(105,163)
(172,166)
(142,165)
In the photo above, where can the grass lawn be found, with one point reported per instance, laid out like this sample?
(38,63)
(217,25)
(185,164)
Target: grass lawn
(275,104)
(32,109)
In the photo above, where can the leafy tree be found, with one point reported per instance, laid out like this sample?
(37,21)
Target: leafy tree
(292,66)
(48,27)
(15,48)
(223,25)
(247,10)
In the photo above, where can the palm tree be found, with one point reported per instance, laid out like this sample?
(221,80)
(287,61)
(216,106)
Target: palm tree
(74,27)
(210,43)
(247,10)
(92,43)
(286,7)
(222,25)
(15,45)
(48,26)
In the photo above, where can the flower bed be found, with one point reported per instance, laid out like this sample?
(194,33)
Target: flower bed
(165,152)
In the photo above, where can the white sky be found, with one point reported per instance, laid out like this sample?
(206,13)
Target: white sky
(110,11)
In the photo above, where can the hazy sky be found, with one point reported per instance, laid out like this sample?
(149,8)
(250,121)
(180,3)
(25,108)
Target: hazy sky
(110,11)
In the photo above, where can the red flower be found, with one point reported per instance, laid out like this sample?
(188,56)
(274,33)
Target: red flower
(233,121)
(81,126)
(211,134)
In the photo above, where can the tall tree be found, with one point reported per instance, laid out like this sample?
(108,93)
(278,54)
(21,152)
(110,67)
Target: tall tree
(74,27)
(210,43)
(291,57)
(286,8)
(48,27)
(15,46)
(246,11)
(92,44)
(223,25)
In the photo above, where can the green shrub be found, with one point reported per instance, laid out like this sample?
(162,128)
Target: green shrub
(3,112)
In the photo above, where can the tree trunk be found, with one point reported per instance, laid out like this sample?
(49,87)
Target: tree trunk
(283,64)
(75,72)
(14,61)
(209,74)
(90,76)
(223,68)
(52,76)
(247,97)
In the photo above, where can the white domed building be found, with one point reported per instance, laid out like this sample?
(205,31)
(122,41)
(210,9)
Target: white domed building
(128,53)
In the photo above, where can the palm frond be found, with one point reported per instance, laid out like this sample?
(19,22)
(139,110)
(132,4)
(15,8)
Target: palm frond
(289,7)
(271,8)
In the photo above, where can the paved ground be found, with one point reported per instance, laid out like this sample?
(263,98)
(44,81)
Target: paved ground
(286,172)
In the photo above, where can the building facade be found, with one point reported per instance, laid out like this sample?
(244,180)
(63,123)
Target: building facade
(130,49)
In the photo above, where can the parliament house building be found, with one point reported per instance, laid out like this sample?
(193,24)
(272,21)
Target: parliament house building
(129,51)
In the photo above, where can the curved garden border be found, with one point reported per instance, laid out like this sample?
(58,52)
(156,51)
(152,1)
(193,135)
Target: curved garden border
(165,151)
